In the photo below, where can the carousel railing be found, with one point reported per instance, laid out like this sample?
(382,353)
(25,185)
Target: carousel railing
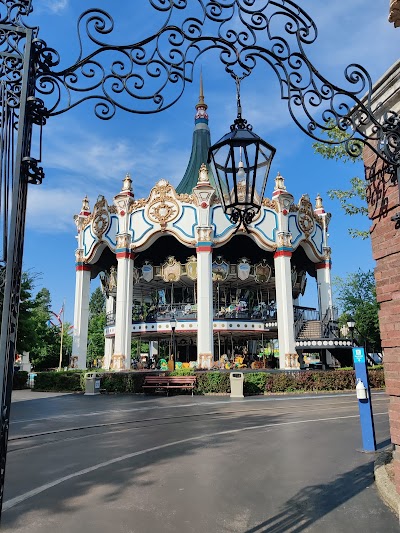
(240,310)
(164,312)
(188,311)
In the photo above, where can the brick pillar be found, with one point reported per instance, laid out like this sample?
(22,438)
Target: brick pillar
(383,204)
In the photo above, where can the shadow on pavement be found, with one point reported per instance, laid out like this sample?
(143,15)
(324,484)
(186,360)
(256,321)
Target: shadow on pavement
(312,503)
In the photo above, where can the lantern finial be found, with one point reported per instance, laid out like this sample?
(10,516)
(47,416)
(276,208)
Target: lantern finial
(203,174)
(280,183)
(85,209)
(127,183)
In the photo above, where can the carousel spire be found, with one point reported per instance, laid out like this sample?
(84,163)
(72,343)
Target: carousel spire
(200,146)
(201,106)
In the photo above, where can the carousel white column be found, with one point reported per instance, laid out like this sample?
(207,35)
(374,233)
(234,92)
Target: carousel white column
(284,302)
(82,293)
(205,337)
(288,357)
(81,312)
(109,341)
(204,192)
(324,281)
(121,359)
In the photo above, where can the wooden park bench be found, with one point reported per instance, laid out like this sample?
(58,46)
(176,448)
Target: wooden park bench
(169,382)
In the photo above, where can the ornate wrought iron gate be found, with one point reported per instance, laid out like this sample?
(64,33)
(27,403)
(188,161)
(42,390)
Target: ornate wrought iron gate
(28,67)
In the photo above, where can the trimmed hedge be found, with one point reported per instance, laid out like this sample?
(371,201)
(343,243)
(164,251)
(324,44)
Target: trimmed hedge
(330,380)
(58,381)
(20,380)
(215,382)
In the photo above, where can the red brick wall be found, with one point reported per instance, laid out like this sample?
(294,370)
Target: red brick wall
(383,203)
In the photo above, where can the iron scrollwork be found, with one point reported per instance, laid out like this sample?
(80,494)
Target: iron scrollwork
(148,77)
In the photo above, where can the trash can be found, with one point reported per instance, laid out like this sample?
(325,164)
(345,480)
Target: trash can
(236,379)
(92,384)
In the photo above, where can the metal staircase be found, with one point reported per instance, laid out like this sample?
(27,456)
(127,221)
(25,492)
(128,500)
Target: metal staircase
(311,329)
(314,334)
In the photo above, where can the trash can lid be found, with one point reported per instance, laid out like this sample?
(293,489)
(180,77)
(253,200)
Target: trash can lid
(236,374)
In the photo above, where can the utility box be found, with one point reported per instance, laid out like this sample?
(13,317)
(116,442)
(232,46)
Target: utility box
(236,379)
(92,384)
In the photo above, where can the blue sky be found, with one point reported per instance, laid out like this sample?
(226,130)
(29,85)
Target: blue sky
(85,155)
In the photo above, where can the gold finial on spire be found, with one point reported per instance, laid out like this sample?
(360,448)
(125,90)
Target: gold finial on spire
(280,183)
(201,102)
(318,202)
(127,183)
(85,205)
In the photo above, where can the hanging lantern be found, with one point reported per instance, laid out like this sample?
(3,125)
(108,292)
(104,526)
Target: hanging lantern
(240,162)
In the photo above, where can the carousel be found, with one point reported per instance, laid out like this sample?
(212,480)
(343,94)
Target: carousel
(199,288)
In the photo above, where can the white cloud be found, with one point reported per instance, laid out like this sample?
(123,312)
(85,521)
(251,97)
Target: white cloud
(55,6)
(52,210)
(79,162)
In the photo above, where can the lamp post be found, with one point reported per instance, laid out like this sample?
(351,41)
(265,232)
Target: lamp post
(240,162)
(351,325)
(173,327)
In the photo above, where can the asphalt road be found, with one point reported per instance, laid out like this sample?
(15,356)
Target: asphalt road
(130,464)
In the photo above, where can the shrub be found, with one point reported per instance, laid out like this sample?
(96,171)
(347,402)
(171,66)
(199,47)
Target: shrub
(376,378)
(320,380)
(213,382)
(58,381)
(20,379)
(281,382)
(183,372)
(207,382)
(254,383)
(122,382)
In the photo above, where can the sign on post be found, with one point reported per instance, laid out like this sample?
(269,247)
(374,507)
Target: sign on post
(364,400)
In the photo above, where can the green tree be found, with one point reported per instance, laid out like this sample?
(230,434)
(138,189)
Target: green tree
(26,337)
(97,323)
(26,332)
(356,295)
(352,200)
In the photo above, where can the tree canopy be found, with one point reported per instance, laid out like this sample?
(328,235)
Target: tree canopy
(353,199)
(356,295)
(97,323)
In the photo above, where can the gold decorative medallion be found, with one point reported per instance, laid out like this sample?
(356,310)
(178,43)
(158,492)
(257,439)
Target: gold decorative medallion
(101,217)
(306,216)
(162,206)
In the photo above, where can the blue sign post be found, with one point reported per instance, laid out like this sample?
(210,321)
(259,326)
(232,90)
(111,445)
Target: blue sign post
(364,400)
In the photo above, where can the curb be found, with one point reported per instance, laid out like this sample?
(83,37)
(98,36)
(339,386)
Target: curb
(384,485)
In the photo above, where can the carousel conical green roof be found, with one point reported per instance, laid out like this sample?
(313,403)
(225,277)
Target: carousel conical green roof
(200,146)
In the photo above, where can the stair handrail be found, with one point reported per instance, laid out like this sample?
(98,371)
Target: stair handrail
(329,319)
(299,322)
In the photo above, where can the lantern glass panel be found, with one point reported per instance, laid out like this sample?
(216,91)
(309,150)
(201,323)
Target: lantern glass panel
(241,162)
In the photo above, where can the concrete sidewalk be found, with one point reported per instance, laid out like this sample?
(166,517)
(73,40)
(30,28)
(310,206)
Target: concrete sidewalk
(27,394)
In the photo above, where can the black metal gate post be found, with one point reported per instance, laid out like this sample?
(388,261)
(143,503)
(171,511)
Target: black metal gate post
(18,114)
